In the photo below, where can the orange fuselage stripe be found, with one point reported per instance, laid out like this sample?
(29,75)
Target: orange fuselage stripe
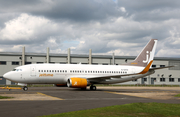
(147,68)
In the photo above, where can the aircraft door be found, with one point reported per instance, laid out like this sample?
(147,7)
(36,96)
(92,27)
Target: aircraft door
(33,71)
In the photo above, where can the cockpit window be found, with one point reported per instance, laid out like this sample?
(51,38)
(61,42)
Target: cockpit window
(17,70)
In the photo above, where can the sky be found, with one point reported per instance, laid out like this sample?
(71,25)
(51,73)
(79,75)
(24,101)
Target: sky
(122,27)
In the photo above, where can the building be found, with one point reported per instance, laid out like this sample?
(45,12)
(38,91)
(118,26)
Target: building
(167,76)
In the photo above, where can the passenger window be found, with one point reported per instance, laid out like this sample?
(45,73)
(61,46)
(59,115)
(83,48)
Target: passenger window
(49,70)
(41,70)
(44,70)
(52,70)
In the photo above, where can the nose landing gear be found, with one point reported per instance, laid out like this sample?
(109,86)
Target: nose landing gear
(25,88)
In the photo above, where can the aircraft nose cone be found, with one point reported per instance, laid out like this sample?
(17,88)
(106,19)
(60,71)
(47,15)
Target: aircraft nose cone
(6,76)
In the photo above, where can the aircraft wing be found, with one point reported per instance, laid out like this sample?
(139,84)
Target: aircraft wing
(97,78)
(119,76)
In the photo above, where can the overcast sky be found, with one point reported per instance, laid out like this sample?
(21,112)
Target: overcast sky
(105,26)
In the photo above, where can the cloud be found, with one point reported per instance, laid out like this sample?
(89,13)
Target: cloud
(26,28)
(103,26)
(151,10)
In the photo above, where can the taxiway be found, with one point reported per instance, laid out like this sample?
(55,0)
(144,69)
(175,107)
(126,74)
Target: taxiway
(39,101)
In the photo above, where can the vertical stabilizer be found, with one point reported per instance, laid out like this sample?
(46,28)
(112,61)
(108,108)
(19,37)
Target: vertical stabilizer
(146,56)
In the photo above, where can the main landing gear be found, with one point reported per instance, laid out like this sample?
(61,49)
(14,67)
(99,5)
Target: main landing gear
(92,87)
(25,88)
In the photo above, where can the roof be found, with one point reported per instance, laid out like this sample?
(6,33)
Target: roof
(84,56)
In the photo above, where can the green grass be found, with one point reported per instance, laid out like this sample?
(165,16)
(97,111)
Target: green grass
(127,110)
(178,95)
(10,86)
(41,85)
(5,97)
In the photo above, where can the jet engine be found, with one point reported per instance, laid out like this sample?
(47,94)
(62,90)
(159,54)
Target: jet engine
(77,82)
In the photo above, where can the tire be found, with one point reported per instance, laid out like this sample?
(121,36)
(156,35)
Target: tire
(94,87)
(91,87)
(25,88)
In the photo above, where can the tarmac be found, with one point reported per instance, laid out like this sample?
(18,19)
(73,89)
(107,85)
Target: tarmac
(38,101)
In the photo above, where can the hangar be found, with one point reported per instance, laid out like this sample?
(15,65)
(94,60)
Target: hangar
(168,76)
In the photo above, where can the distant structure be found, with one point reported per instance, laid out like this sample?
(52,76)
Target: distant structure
(169,76)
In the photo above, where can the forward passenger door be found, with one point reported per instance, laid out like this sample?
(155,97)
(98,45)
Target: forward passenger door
(33,71)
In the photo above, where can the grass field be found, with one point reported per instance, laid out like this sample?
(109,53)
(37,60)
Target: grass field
(5,97)
(178,95)
(128,110)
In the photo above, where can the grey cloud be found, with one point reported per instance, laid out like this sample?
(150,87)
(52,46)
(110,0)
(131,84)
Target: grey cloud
(101,25)
(152,10)
(78,10)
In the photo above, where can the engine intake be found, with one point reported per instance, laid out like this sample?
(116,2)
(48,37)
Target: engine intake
(77,82)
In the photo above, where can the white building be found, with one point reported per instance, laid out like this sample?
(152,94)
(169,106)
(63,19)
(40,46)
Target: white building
(167,76)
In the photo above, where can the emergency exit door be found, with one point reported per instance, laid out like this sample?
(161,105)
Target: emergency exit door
(33,71)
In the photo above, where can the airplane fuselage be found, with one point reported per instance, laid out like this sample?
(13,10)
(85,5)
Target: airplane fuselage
(59,73)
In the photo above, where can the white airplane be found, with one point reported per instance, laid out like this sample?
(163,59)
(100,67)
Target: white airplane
(81,76)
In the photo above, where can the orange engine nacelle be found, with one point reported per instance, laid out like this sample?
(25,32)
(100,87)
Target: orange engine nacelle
(77,82)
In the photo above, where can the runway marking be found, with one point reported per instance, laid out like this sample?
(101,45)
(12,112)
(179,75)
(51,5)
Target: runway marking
(124,94)
(28,97)
(49,96)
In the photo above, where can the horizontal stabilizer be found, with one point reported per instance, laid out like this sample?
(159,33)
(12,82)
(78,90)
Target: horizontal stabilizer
(157,68)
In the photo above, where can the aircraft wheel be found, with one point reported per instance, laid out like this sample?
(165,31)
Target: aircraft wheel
(25,88)
(92,87)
